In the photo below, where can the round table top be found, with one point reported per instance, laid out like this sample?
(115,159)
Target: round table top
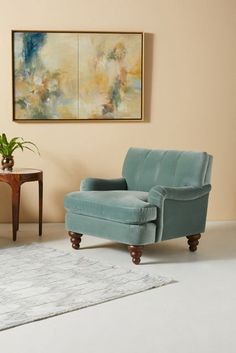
(21,171)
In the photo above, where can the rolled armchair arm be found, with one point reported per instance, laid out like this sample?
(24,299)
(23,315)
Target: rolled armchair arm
(96,184)
(158,193)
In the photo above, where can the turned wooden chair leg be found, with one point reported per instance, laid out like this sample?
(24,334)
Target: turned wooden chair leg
(75,239)
(193,241)
(136,253)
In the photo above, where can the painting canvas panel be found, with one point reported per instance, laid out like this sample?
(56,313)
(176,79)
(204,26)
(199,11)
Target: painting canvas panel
(45,82)
(77,76)
(110,76)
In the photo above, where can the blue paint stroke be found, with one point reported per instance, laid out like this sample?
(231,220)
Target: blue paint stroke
(135,83)
(115,92)
(32,42)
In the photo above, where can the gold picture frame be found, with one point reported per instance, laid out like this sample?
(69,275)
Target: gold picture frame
(77,76)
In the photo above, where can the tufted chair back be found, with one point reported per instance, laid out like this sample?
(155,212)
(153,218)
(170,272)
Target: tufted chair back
(144,168)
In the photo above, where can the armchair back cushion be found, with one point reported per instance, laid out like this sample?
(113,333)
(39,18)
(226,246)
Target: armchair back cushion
(144,168)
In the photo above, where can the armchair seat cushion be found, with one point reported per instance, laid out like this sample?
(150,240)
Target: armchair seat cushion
(129,207)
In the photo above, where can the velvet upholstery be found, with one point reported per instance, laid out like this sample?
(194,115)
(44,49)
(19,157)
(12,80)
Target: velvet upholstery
(161,195)
(130,207)
(145,168)
(103,228)
(96,184)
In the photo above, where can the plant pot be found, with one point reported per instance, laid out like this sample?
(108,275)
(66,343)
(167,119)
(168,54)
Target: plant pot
(7,163)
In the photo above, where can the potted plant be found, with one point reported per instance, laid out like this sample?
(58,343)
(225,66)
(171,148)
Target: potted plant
(7,147)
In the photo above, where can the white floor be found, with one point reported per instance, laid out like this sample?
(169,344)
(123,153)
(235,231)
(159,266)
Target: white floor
(195,314)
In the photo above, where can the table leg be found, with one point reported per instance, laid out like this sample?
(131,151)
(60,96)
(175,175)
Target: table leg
(18,211)
(15,209)
(40,206)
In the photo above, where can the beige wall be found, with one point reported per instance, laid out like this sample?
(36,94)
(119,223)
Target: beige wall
(190,95)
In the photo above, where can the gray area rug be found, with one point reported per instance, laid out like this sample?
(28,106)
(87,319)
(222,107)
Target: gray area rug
(37,282)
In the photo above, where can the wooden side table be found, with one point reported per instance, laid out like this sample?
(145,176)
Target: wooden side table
(15,179)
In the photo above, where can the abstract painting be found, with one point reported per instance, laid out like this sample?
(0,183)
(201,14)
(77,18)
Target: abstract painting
(77,76)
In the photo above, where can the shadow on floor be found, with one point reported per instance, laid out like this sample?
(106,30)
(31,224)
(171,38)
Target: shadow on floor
(217,243)
(28,233)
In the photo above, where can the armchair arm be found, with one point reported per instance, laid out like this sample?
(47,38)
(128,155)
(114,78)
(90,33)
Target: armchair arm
(96,184)
(158,193)
(176,217)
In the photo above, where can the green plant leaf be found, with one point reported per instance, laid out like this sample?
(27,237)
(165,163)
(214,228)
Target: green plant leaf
(4,139)
(31,143)
(8,147)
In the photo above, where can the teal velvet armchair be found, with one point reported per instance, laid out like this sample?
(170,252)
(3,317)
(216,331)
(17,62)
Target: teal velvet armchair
(161,195)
